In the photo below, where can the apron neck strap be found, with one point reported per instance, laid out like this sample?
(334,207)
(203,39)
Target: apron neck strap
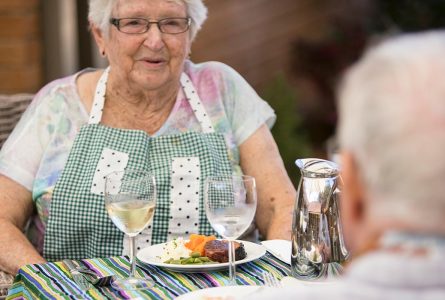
(99,98)
(186,84)
(195,102)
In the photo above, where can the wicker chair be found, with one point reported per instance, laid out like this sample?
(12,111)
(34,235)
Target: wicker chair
(11,108)
(5,283)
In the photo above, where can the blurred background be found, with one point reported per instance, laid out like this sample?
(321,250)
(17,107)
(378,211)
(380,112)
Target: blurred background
(291,51)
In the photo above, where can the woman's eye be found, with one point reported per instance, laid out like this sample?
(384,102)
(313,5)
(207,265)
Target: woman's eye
(133,23)
(172,22)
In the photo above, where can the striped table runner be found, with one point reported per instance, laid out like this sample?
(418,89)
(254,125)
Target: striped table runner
(52,280)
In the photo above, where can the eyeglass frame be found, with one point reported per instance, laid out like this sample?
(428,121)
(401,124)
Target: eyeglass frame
(116,23)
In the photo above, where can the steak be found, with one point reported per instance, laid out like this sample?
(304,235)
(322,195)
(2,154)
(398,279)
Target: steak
(218,250)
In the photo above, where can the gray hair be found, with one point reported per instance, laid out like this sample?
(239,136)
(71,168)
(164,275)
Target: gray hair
(100,12)
(392,119)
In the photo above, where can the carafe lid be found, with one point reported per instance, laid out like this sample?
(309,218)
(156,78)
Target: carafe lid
(317,168)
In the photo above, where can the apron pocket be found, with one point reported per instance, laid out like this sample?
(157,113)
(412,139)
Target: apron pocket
(184,196)
(110,161)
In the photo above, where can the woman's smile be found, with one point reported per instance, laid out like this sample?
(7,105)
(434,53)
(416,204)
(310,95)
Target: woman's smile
(154,62)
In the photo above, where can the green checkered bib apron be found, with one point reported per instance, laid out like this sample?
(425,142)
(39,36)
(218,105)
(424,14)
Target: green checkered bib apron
(78,225)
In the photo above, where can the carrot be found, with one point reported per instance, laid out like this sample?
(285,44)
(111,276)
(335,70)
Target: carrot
(194,240)
(197,242)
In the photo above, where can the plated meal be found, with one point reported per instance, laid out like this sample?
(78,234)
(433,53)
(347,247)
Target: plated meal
(198,254)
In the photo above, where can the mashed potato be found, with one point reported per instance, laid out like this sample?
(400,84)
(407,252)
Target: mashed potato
(175,249)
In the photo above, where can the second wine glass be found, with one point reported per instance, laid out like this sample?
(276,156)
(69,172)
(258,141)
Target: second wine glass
(230,205)
(130,200)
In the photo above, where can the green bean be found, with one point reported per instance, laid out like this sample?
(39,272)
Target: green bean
(205,259)
(198,260)
(195,254)
(187,261)
(175,262)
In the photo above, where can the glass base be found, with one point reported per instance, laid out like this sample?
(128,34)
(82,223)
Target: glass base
(132,283)
(312,272)
(232,282)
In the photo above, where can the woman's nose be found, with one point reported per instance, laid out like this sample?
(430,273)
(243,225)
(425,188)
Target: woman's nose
(153,38)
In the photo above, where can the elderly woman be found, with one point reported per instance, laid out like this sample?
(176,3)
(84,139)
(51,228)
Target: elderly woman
(151,108)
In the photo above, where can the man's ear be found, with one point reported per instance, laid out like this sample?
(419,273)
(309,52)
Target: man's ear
(353,190)
(352,202)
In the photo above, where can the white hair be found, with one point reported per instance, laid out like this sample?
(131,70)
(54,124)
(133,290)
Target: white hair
(392,119)
(100,12)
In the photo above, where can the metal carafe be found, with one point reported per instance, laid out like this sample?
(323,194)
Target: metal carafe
(317,241)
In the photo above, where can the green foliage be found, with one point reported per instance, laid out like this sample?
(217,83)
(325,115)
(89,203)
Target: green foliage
(292,139)
(410,15)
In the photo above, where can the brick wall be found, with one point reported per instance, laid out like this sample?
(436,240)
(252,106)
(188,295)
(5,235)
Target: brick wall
(254,36)
(20,46)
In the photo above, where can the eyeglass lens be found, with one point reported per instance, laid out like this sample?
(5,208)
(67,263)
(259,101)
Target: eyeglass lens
(139,25)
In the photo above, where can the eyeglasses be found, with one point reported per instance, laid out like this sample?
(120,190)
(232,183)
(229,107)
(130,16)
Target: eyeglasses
(141,25)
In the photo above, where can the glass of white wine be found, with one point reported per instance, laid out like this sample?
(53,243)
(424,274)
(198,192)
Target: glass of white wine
(130,200)
(230,205)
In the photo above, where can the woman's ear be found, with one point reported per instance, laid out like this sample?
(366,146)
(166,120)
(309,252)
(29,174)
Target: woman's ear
(99,38)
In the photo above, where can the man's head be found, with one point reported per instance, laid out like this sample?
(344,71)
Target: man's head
(392,134)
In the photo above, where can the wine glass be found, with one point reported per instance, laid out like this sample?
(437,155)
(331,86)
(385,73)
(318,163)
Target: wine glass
(130,200)
(230,205)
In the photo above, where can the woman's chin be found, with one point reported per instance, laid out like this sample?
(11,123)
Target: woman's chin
(151,81)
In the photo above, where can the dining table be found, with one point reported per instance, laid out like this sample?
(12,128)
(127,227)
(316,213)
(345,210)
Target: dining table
(52,280)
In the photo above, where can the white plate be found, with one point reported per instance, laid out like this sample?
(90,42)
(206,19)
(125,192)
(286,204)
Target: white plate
(223,292)
(281,249)
(149,255)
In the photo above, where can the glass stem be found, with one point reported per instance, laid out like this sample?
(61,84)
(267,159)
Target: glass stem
(132,258)
(232,268)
